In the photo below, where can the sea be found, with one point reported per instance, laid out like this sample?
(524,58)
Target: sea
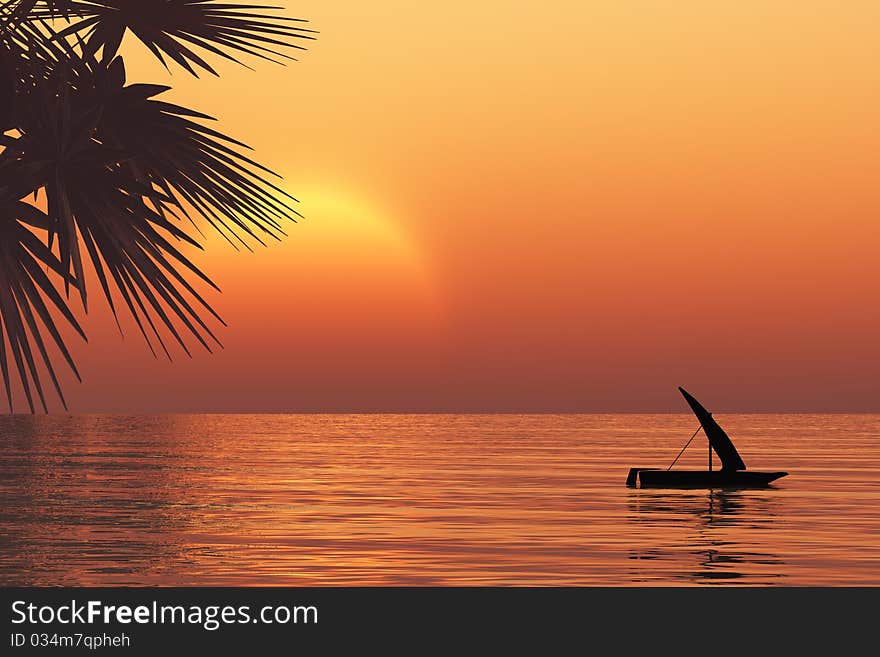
(430,500)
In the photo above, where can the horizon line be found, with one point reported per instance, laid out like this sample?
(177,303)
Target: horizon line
(430,412)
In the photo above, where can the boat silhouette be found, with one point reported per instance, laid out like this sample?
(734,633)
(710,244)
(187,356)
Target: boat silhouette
(733,472)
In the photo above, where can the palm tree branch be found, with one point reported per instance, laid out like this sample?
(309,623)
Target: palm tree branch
(163,26)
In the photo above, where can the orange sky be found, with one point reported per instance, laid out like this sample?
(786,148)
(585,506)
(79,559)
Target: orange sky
(544,206)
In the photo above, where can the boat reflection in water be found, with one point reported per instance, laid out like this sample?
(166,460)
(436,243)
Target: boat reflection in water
(716,528)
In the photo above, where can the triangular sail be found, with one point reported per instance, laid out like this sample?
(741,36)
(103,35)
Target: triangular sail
(720,441)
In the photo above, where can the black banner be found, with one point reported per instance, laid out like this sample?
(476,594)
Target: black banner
(289,620)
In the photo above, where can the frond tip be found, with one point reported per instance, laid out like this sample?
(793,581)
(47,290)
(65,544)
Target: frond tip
(171,28)
(28,301)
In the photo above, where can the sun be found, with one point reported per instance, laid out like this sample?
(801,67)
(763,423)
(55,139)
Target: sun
(341,224)
(347,264)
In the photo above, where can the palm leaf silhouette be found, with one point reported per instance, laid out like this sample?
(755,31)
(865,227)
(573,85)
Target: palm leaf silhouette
(26,288)
(171,28)
(19,9)
(189,161)
(119,170)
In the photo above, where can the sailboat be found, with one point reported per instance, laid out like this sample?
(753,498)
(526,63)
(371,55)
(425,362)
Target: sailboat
(733,473)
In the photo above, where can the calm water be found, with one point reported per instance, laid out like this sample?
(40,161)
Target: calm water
(429,499)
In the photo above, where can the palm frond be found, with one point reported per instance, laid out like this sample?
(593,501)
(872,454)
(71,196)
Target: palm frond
(170,29)
(170,147)
(119,169)
(17,9)
(94,203)
(29,302)
(29,55)
(7,88)
(126,245)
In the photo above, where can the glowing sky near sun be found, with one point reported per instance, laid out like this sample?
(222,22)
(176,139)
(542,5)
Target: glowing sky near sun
(544,206)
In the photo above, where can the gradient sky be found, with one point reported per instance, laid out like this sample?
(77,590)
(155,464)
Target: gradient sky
(543,206)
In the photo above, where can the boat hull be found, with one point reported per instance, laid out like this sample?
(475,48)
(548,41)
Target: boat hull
(651,478)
